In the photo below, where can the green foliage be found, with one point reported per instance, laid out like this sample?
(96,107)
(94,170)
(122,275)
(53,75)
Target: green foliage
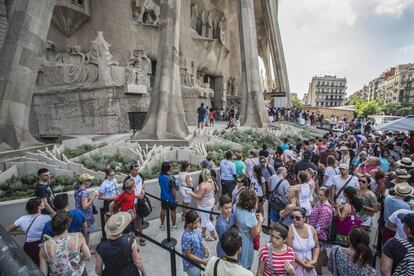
(102,162)
(82,149)
(396,109)
(296,102)
(364,108)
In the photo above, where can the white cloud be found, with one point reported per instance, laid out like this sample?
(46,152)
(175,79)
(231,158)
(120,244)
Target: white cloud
(407,48)
(392,7)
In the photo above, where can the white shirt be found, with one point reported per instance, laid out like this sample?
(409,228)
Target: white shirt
(35,231)
(138,186)
(394,219)
(257,187)
(339,182)
(330,172)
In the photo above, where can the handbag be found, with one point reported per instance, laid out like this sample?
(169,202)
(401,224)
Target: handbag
(144,207)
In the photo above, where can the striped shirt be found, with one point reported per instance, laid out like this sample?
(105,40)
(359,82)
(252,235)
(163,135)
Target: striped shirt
(278,259)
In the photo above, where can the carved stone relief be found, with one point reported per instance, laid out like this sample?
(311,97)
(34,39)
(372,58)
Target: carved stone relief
(74,68)
(146,12)
(138,72)
(209,24)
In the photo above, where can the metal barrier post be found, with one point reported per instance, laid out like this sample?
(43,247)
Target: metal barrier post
(267,229)
(169,242)
(102,211)
(173,262)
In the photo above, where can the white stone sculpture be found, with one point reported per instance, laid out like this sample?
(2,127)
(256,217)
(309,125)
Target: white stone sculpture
(209,25)
(148,12)
(101,56)
(194,16)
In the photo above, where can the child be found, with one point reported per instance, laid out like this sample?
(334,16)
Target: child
(224,221)
(186,184)
(124,202)
(192,244)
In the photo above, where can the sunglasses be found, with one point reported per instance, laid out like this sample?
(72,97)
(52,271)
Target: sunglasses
(363,181)
(297,218)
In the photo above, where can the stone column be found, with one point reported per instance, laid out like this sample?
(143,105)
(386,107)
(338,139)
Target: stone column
(271,19)
(29,23)
(253,113)
(3,21)
(166,118)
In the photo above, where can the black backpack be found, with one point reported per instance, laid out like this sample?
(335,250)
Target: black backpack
(277,201)
(144,207)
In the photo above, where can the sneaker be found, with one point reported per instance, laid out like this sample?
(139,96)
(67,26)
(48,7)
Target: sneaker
(174,227)
(162,227)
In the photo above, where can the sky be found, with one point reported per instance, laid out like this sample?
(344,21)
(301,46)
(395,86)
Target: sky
(356,39)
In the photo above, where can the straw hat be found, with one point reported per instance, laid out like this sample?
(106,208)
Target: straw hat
(402,173)
(403,189)
(406,162)
(117,223)
(85,176)
(343,148)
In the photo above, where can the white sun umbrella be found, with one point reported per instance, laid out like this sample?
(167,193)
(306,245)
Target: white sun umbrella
(402,124)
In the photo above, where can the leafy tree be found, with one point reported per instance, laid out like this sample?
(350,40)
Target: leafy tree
(364,108)
(296,102)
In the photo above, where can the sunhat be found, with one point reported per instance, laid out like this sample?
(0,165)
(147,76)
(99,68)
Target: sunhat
(85,176)
(403,189)
(406,162)
(401,173)
(117,223)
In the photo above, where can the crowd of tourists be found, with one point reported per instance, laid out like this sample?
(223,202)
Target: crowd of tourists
(324,197)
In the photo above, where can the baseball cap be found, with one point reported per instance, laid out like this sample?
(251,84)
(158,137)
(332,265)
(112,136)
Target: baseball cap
(344,166)
(307,154)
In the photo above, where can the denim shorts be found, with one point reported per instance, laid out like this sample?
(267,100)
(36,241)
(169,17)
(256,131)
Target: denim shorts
(193,271)
(91,227)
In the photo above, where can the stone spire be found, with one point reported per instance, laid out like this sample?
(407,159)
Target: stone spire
(19,62)
(271,19)
(166,118)
(253,113)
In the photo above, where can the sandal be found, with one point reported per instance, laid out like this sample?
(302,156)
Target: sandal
(209,238)
(93,252)
(142,242)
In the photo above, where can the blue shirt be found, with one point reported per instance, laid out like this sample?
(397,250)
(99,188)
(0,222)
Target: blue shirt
(192,240)
(391,204)
(108,188)
(284,146)
(384,164)
(78,218)
(240,166)
(222,225)
(227,169)
(166,189)
(246,220)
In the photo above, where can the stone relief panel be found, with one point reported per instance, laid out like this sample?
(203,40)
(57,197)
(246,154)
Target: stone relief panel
(138,72)
(232,87)
(146,12)
(73,68)
(208,23)
(70,15)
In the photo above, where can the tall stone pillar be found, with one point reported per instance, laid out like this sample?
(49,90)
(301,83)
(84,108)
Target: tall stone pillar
(278,57)
(266,61)
(166,118)
(253,113)
(29,23)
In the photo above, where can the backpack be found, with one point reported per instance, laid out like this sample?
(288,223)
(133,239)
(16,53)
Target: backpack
(174,183)
(277,201)
(144,207)
(277,163)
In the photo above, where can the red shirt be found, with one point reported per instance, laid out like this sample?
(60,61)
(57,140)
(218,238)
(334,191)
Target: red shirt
(278,259)
(126,202)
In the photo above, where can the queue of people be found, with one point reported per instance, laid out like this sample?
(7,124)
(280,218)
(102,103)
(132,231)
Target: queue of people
(319,192)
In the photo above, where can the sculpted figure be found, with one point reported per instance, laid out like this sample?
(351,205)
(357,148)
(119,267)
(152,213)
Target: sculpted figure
(209,25)
(194,16)
(203,23)
(101,56)
(148,7)
(220,30)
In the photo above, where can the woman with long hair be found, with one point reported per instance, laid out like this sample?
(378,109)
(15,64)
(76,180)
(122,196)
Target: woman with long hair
(84,202)
(31,225)
(249,223)
(355,259)
(346,215)
(321,219)
(192,244)
(303,238)
(292,195)
(63,254)
(369,202)
(331,171)
(258,184)
(205,201)
(305,192)
(277,254)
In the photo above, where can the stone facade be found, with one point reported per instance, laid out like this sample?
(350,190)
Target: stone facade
(326,91)
(394,85)
(108,51)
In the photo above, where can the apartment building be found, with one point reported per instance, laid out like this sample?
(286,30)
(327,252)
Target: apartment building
(326,91)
